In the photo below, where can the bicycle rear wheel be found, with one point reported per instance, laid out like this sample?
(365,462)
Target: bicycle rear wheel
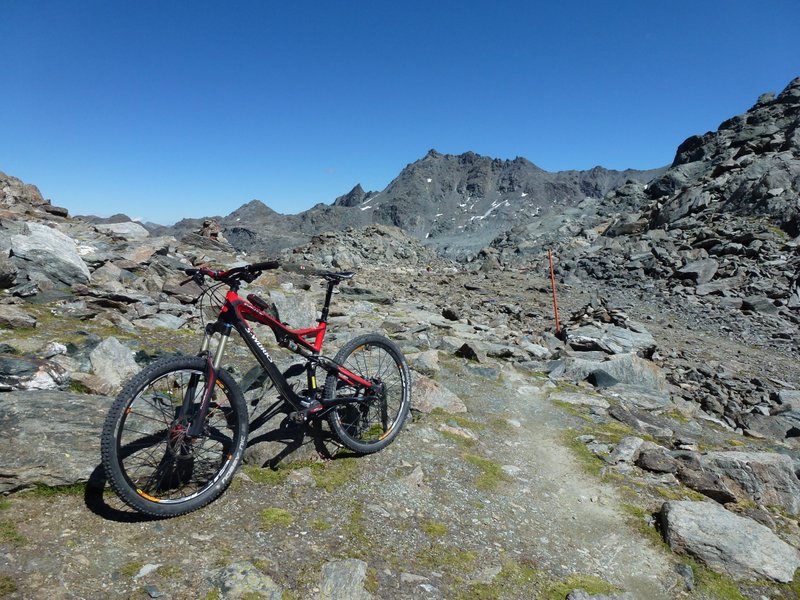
(377,414)
(150,462)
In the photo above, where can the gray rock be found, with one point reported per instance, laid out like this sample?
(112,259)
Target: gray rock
(625,368)
(8,273)
(242,580)
(611,339)
(62,449)
(344,580)
(764,477)
(626,451)
(589,399)
(26,373)
(160,321)
(657,460)
(426,362)
(708,484)
(113,362)
(727,543)
(13,317)
(759,304)
(429,395)
(700,271)
(298,310)
(130,230)
(51,253)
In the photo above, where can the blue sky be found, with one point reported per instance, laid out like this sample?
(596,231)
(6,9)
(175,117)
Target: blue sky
(163,110)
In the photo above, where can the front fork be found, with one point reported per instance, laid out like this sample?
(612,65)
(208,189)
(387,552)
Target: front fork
(212,366)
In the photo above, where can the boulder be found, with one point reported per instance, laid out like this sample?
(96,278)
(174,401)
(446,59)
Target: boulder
(51,253)
(429,395)
(61,449)
(612,339)
(113,362)
(26,373)
(625,368)
(130,230)
(700,271)
(764,477)
(727,543)
(13,317)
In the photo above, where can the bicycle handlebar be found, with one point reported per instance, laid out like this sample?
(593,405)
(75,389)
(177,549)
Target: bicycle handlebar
(246,273)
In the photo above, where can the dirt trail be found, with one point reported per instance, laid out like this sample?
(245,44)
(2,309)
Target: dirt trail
(573,523)
(435,515)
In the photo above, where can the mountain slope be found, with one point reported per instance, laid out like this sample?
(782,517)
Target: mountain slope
(457,203)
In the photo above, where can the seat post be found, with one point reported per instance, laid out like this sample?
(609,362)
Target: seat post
(326,306)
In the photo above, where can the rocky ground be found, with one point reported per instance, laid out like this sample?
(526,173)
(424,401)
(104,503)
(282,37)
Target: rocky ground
(648,447)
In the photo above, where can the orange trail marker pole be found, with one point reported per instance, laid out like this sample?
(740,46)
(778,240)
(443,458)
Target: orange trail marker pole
(553,282)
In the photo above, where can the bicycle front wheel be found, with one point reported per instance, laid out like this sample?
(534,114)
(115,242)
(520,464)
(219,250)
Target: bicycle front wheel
(150,461)
(371,418)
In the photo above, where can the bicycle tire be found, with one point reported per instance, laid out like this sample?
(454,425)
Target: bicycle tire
(368,426)
(148,461)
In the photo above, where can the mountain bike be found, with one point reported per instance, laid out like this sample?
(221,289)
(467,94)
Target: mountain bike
(177,431)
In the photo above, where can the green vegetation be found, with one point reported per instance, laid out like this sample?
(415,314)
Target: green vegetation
(713,584)
(491,475)
(130,569)
(500,425)
(7,585)
(275,517)
(169,571)
(212,594)
(334,473)
(458,439)
(48,491)
(371,583)
(5,503)
(319,525)
(76,387)
(448,559)
(434,529)
(515,579)
(264,476)
(10,535)
(328,475)
(592,463)
(590,584)
(439,415)
(640,518)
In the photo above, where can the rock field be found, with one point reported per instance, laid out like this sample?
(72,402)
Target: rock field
(648,447)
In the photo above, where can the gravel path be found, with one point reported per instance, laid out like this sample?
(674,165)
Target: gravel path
(437,515)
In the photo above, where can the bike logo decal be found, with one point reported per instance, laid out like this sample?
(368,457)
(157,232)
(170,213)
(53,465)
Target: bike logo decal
(258,344)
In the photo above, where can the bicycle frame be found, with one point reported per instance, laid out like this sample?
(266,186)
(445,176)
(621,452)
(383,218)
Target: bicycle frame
(307,342)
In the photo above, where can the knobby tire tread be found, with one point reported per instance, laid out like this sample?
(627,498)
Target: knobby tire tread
(111,434)
(332,381)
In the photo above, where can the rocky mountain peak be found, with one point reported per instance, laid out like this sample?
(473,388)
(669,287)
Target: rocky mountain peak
(352,198)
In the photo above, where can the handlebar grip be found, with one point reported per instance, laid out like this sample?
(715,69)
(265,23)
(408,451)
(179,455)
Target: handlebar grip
(264,266)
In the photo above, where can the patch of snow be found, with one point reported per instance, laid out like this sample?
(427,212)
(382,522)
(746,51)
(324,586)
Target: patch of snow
(429,179)
(524,194)
(365,207)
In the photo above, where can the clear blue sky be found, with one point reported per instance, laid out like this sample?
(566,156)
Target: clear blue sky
(176,108)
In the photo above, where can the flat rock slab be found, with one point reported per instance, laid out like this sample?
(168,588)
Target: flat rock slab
(736,546)
(49,438)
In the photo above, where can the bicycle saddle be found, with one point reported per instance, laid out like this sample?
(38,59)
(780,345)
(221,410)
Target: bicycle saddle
(336,276)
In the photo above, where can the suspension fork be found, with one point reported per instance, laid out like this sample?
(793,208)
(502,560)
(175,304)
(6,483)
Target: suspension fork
(212,366)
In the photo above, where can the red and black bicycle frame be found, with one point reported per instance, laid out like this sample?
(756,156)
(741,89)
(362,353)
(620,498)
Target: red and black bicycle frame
(307,342)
